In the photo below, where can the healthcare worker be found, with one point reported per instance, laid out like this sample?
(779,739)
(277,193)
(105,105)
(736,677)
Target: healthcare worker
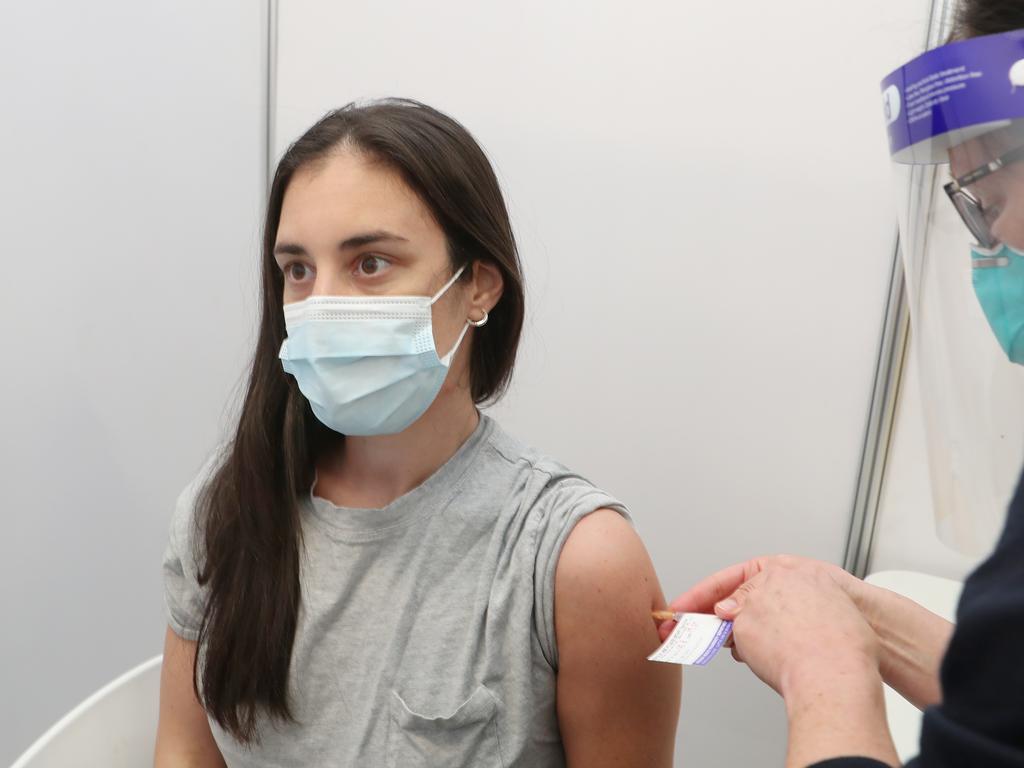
(825,640)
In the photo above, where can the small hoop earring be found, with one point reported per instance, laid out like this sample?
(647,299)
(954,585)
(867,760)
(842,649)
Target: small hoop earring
(478,323)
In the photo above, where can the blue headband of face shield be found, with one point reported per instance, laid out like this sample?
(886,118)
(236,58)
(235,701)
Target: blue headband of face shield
(941,99)
(953,93)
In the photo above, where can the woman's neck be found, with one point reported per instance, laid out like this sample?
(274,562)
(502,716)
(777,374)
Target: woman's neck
(371,472)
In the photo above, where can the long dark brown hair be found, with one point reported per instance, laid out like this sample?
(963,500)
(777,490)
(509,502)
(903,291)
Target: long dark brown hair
(247,515)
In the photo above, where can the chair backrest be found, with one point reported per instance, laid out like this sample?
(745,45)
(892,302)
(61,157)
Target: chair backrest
(115,727)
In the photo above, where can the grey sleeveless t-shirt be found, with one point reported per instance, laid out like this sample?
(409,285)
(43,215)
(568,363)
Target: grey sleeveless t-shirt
(426,630)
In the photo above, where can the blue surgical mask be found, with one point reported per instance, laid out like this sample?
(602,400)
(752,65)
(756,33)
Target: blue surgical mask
(999,284)
(366,364)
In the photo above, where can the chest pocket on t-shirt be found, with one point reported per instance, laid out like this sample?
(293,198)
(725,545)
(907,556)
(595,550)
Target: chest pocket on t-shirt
(466,737)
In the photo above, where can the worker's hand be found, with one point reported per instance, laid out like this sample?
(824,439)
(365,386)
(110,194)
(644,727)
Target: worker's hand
(793,623)
(704,596)
(913,640)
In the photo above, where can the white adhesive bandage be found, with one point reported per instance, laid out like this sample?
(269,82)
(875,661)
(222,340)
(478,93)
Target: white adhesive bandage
(695,639)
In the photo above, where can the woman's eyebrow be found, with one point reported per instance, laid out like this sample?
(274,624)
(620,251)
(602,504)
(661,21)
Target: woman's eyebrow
(356,241)
(366,238)
(291,249)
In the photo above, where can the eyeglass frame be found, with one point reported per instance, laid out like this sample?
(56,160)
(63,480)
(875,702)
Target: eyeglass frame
(968,206)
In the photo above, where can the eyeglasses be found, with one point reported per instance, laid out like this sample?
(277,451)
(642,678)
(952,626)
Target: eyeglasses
(968,206)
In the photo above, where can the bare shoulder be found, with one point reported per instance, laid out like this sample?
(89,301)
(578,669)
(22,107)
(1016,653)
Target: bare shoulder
(614,706)
(604,552)
(605,577)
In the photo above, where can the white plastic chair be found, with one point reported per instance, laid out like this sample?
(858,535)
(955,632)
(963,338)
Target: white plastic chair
(114,728)
(938,595)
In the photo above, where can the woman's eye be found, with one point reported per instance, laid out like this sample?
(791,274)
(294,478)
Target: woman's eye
(297,272)
(371,265)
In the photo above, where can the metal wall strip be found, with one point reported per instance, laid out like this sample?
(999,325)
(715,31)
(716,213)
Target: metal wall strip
(892,356)
(270,92)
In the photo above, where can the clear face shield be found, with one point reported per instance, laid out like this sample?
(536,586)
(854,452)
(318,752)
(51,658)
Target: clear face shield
(956,133)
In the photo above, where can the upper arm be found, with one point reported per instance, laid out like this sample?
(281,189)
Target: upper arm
(615,708)
(183,736)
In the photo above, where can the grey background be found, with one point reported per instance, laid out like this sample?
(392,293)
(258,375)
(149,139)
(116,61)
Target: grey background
(701,196)
(701,192)
(132,139)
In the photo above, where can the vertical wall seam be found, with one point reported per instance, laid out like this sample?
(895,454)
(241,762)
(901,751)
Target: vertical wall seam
(889,370)
(270,94)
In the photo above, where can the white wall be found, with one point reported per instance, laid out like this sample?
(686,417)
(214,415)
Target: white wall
(701,194)
(131,146)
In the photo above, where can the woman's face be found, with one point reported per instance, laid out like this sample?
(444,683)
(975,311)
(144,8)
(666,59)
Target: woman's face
(1001,194)
(351,227)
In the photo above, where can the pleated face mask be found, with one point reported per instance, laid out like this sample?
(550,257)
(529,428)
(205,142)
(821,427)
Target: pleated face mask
(367,364)
(998,276)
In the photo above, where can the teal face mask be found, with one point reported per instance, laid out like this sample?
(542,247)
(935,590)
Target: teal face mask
(998,277)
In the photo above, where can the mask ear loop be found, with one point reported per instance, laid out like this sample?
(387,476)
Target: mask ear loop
(447,359)
(447,285)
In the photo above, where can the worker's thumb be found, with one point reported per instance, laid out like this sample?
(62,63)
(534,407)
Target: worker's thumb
(730,607)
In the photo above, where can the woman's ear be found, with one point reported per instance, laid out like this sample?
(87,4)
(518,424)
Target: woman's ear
(486,287)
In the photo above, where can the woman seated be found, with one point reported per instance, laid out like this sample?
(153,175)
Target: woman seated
(371,572)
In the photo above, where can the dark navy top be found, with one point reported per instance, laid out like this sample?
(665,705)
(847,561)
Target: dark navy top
(980,722)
